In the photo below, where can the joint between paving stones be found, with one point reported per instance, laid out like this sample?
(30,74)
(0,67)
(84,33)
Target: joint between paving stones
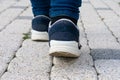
(7,8)
(12,58)
(13,19)
(51,69)
(116,38)
(84,30)
(110,8)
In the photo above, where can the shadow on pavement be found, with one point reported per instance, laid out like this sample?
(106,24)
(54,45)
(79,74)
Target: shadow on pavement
(105,54)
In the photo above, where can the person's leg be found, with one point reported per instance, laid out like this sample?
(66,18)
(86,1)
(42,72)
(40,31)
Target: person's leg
(68,8)
(64,33)
(41,19)
(40,7)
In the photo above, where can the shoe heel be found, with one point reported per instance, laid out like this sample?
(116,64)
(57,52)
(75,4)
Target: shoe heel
(35,35)
(64,48)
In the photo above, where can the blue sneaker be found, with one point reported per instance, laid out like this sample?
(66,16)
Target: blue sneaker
(40,28)
(64,39)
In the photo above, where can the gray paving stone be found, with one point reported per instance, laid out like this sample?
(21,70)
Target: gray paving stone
(99,5)
(113,5)
(108,69)
(85,57)
(11,39)
(9,44)
(72,69)
(17,28)
(89,19)
(73,72)
(3,5)
(20,25)
(32,62)
(113,23)
(111,19)
(17,76)
(26,15)
(101,41)
(3,67)
(117,1)
(11,13)
(77,68)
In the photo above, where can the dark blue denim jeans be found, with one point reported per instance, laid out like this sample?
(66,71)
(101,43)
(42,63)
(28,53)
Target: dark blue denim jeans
(55,8)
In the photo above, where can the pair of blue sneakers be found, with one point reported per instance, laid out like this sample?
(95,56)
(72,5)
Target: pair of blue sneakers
(63,36)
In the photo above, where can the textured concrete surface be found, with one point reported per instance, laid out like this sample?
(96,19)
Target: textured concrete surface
(23,59)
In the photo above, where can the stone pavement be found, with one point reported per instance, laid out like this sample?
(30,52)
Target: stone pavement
(23,59)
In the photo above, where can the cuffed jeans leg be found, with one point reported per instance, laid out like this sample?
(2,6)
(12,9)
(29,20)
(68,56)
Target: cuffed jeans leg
(65,8)
(40,7)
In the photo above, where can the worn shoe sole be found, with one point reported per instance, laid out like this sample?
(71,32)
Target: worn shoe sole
(36,36)
(64,48)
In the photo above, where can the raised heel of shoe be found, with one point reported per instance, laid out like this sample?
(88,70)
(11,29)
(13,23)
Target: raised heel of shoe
(35,35)
(64,48)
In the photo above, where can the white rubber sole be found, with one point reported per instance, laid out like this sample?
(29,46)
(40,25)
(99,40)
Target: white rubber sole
(35,35)
(64,48)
